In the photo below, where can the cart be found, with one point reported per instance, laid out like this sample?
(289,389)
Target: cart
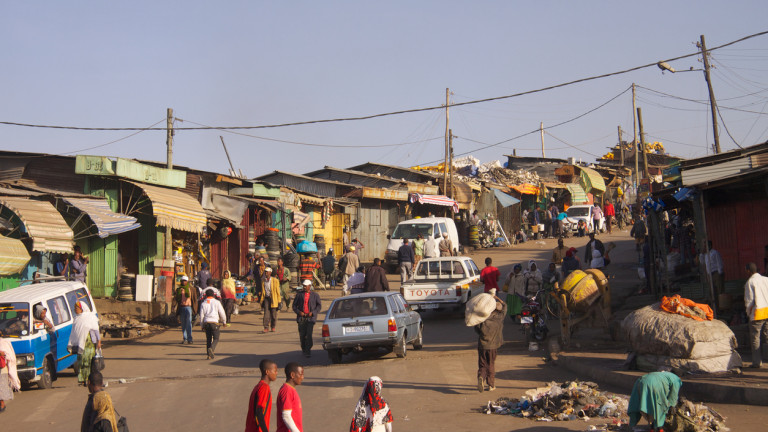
(583,299)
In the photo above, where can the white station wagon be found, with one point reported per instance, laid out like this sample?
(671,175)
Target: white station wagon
(442,283)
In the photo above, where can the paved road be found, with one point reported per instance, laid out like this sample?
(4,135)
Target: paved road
(172,387)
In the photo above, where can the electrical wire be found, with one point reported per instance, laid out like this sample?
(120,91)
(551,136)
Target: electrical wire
(572,146)
(722,121)
(413,110)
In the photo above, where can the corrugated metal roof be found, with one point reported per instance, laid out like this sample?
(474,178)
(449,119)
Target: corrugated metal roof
(591,180)
(44,224)
(718,171)
(107,222)
(175,209)
(13,256)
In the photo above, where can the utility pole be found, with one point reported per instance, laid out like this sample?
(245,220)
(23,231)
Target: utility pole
(232,167)
(168,244)
(712,101)
(642,142)
(621,148)
(541,130)
(450,161)
(447,144)
(634,142)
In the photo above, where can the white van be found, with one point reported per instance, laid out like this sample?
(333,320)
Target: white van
(41,353)
(427,227)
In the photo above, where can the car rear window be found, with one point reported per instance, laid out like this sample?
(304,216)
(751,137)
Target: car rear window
(359,307)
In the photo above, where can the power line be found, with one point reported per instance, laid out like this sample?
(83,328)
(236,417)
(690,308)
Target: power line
(572,146)
(407,111)
(726,129)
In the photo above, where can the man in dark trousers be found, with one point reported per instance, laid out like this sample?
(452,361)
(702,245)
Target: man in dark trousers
(306,305)
(260,405)
(405,259)
(490,338)
(376,277)
(593,244)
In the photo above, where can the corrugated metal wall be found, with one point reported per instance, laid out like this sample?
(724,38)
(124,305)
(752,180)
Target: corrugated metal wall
(148,238)
(55,173)
(738,231)
(375,222)
(102,265)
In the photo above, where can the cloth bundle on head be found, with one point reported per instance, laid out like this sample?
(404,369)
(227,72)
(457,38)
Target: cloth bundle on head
(84,322)
(478,309)
(10,358)
(371,412)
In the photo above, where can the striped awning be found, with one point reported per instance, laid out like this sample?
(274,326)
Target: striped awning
(591,180)
(527,189)
(440,200)
(43,223)
(175,209)
(13,256)
(107,222)
(578,196)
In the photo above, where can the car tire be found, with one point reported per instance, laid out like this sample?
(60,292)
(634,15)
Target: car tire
(418,343)
(401,348)
(46,379)
(334,355)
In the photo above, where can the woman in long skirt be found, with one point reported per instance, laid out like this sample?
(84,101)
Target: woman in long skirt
(84,340)
(9,379)
(515,289)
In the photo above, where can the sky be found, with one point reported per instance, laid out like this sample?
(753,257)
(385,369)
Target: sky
(257,63)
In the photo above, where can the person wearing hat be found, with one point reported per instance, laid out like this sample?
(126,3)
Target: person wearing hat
(184,303)
(489,339)
(270,299)
(445,246)
(212,316)
(307,306)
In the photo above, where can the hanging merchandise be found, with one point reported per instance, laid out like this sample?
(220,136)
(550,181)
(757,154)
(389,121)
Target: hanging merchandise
(225,231)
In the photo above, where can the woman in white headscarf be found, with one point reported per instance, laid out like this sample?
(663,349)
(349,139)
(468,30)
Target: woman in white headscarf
(9,379)
(84,339)
(372,413)
(533,278)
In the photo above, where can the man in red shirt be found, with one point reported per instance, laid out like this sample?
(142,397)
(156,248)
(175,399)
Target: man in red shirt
(490,275)
(288,401)
(260,405)
(610,213)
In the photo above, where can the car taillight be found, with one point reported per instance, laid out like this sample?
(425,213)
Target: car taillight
(391,326)
(458,291)
(326,332)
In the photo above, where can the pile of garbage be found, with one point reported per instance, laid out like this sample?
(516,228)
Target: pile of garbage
(690,417)
(571,400)
(469,167)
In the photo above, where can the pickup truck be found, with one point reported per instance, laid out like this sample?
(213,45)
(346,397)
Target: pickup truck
(442,283)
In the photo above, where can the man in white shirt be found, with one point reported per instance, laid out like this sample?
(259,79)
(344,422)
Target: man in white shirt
(212,315)
(756,302)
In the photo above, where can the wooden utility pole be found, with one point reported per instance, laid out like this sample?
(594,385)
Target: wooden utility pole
(169,138)
(712,101)
(450,161)
(642,142)
(447,144)
(232,167)
(634,142)
(541,130)
(621,148)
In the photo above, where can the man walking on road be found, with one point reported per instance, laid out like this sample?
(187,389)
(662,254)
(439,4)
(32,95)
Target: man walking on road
(211,316)
(376,277)
(185,300)
(270,300)
(490,338)
(351,263)
(756,302)
(610,212)
(405,259)
(260,404)
(490,275)
(306,305)
(289,412)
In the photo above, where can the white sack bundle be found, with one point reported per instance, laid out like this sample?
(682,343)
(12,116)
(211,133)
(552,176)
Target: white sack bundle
(479,308)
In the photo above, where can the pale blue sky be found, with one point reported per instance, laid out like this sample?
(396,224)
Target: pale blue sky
(104,64)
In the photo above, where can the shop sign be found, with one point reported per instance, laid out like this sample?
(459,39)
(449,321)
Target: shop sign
(388,194)
(94,165)
(130,169)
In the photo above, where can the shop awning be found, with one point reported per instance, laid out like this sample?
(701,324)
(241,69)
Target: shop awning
(307,199)
(440,200)
(231,209)
(504,199)
(591,180)
(526,189)
(13,256)
(175,209)
(578,196)
(107,222)
(44,224)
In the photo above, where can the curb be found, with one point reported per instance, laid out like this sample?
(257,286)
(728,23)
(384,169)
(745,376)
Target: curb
(698,391)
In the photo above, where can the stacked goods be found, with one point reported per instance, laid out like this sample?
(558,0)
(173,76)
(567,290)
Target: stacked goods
(125,287)
(474,236)
(291,261)
(272,240)
(663,339)
(320,242)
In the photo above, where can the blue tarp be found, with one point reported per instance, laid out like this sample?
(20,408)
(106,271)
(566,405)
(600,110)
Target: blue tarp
(504,199)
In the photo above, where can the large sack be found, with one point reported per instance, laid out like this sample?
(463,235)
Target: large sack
(478,309)
(652,331)
(722,363)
